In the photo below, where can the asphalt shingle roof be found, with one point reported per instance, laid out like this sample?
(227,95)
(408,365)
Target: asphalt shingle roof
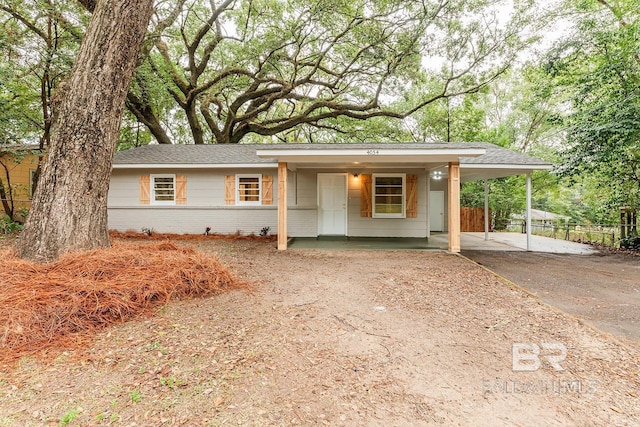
(159,154)
(164,154)
(501,156)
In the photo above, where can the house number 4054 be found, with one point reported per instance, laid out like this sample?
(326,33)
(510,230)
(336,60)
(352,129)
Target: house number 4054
(373,152)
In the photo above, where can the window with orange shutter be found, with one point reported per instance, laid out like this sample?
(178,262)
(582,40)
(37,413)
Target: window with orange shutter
(389,195)
(163,189)
(248,189)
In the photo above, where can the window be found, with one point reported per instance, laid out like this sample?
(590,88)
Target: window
(389,195)
(163,189)
(249,189)
(254,189)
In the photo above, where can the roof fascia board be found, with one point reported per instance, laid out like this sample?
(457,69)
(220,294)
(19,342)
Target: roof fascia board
(505,166)
(194,165)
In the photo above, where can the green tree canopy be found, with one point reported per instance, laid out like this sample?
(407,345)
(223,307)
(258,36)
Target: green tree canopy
(254,70)
(598,71)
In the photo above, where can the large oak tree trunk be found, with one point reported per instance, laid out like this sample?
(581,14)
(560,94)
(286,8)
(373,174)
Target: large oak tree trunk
(69,210)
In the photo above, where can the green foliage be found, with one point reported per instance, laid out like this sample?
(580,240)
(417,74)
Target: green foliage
(7,226)
(510,114)
(506,196)
(135,396)
(170,382)
(69,417)
(38,40)
(458,119)
(267,70)
(599,72)
(631,242)
(132,134)
(16,102)
(260,71)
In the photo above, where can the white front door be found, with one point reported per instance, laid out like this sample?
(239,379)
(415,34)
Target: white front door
(436,210)
(332,204)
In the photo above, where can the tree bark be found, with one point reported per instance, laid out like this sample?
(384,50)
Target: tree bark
(7,199)
(145,115)
(8,208)
(69,210)
(194,123)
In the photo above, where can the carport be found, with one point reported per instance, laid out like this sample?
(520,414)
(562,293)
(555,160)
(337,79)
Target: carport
(497,163)
(384,190)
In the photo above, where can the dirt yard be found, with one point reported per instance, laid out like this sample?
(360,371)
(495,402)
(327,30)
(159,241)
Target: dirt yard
(393,338)
(603,289)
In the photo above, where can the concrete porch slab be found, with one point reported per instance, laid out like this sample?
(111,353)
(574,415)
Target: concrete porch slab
(373,243)
(513,242)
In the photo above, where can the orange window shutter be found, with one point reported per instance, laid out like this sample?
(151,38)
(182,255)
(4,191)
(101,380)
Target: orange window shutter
(230,189)
(181,190)
(145,190)
(267,189)
(366,209)
(412,196)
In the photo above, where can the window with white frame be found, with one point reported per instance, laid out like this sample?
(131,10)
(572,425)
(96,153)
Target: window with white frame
(389,191)
(249,189)
(163,189)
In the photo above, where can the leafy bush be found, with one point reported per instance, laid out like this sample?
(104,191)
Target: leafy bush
(631,242)
(7,226)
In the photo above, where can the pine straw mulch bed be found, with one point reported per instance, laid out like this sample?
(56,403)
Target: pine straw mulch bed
(46,309)
(131,234)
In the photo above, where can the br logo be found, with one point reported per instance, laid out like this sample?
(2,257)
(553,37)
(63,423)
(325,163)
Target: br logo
(526,357)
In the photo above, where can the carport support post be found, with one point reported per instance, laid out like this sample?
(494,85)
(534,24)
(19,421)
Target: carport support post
(486,209)
(454,207)
(528,214)
(282,206)
(428,198)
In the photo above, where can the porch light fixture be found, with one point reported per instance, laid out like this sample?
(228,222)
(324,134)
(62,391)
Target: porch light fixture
(355,175)
(437,175)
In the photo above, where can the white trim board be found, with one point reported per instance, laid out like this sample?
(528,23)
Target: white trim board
(195,166)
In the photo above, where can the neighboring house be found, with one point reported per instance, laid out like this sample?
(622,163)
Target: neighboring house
(18,164)
(543,219)
(303,190)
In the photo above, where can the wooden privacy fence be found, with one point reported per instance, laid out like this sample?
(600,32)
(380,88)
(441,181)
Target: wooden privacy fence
(472,219)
